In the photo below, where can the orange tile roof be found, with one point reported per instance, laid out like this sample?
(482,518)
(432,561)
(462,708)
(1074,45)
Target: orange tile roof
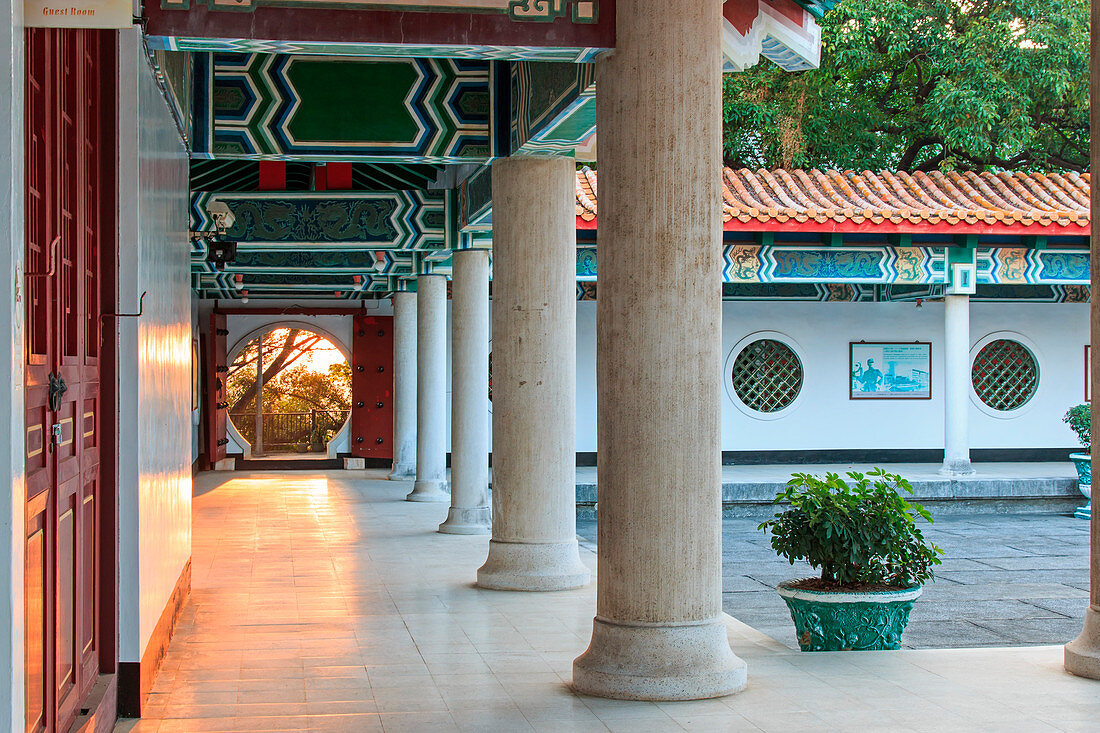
(815,197)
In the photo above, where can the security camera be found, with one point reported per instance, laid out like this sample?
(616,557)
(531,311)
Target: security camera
(222,215)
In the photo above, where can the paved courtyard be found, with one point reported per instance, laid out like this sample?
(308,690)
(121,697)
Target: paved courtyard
(1005,580)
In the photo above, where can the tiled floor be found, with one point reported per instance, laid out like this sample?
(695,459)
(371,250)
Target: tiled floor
(326,603)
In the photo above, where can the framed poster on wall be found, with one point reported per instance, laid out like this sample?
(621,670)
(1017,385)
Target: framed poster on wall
(1088,373)
(884,370)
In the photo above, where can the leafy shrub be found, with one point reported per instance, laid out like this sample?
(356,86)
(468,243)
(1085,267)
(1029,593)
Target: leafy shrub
(862,532)
(1079,419)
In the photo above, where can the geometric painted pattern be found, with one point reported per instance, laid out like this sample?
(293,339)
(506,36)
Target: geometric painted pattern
(404,220)
(1005,375)
(744,263)
(766,264)
(1025,266)
(286,107)
(553,107)
(565,54)
(580,11)
(778,31)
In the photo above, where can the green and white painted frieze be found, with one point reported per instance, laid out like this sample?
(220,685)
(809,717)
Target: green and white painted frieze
(290,107)
(409,220)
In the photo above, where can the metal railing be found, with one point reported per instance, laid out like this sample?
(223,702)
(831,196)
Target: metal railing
(292,432)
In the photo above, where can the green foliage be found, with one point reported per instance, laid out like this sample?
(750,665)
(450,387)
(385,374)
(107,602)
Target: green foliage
(858,532)
(921,85)
(1079,419)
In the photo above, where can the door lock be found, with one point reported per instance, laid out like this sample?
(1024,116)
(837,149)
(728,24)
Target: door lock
(55,433)
(57,387)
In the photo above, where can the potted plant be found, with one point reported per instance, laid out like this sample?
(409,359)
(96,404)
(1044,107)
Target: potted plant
(1079,419)
(863,536)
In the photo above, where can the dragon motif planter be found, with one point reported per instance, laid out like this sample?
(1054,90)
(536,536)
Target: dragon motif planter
(833,622)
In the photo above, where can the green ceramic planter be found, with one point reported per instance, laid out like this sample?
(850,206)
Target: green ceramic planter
(839,622)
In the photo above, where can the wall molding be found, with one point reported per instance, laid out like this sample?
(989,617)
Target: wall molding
(135,679)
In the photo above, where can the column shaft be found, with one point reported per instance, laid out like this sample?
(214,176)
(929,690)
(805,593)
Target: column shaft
(1083,653)
(534,544)
(956,393)
(431,390)
(404,387)
(469,513)
(659,632)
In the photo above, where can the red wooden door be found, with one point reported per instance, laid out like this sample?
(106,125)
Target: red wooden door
(69,186)
(372,387)
(216,399)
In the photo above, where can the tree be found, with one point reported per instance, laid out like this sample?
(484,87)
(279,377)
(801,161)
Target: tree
(924,84)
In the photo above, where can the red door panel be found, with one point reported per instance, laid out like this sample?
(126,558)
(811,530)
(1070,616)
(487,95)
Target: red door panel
(372,387)
(69,183)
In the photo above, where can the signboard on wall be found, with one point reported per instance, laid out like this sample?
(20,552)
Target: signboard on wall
(78,13)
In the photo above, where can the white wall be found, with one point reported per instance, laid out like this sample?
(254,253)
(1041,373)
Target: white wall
(155,354)
(824,417)
(11,391)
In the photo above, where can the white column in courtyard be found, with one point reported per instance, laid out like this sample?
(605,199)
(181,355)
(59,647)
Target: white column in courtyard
(659,632)
(534,543)
(431,390)
(956,392)
(469,513)
(258,443)
(404,387)
(1082,656)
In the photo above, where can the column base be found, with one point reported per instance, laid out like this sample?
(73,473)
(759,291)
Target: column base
(402,473)
(1083,653)
(533,567)
(433,491)
(957,467)
(468,521)
(659,662)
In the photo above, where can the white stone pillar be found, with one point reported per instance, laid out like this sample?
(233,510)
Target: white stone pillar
(534,544)
(1082,656)
(258,443)
(469,513)
(404,387)
(956,381)
(431,390)
(659,633)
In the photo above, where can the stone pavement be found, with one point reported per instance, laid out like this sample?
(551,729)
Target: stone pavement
(1005,580)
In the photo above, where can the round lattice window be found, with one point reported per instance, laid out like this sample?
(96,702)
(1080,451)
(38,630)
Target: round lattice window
(1005,375)
(767,376)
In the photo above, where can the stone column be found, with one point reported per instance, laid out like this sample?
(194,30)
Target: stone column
(258,442)
(431,390)
(659,632)
(534,544)
(404,387)
(1083,653)
(956,383)
(469,513)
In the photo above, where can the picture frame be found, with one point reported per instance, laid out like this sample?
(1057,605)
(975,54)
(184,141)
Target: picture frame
(1088,372)
(889,370)
(194,374)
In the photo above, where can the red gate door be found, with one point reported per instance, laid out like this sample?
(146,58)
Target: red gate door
(372,387)
(69,193)
(216,399)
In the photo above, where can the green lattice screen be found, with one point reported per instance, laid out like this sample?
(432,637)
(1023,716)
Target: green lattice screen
(1005,375)
(767,376)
